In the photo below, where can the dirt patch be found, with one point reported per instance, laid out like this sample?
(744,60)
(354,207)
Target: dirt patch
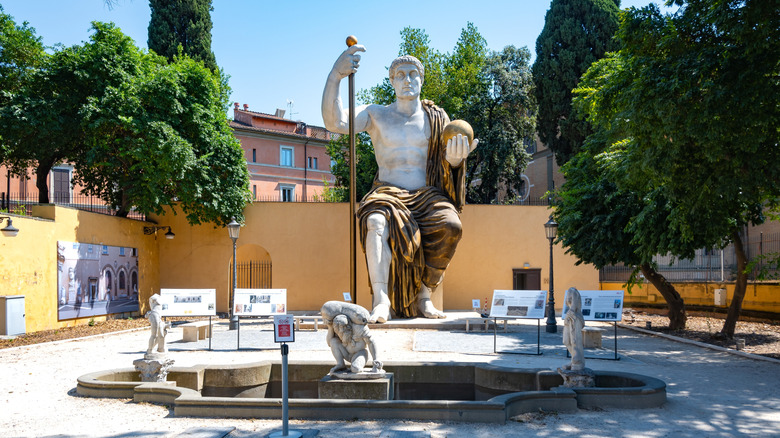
(761,337)
(80,331)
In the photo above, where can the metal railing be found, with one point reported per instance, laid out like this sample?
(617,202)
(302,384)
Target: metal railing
(708,265)
(21,203)
(252,274)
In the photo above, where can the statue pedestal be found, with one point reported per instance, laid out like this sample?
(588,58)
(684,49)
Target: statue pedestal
(153,367)
(355,388)
(584,378)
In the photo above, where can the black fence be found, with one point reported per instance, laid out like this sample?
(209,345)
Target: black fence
(710,264)
(252,275)
(21,203)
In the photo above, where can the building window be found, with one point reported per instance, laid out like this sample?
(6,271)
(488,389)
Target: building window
(254,192)
(122,286)
(105,250)
(121,250)
(313,163)
(286,156)
(287,193)
(254,155)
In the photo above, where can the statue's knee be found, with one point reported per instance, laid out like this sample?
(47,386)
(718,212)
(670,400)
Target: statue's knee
(376,223)
(454,228)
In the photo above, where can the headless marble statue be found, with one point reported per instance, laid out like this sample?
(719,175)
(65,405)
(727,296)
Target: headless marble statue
(159,327)
(572,330)
(418,191)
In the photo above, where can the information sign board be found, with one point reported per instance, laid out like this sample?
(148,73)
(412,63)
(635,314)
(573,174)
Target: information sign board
(284,328)
(260,302)
(600,305)
(518,304)
(188,302)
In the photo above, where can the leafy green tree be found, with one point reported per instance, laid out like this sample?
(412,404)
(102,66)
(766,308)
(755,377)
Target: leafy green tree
(465,73)
(502,112)
(42,123)
(185,23)
(593,213)
(161,138)
(694,96)
(366,167)
(21,53)
(576,33)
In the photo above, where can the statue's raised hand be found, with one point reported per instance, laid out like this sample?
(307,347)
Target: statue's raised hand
(349,61)
(458,148)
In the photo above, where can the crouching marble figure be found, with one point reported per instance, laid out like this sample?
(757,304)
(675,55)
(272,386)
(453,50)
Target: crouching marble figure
(409,223)
(154,366)
(575,374)
(350,341)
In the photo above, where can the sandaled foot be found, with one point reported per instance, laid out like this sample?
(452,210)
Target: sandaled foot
(380,314)
(426,307)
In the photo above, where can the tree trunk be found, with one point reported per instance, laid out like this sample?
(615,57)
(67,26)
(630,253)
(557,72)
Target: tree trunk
(42,181)
(677,316)
(124,205)
(739,288)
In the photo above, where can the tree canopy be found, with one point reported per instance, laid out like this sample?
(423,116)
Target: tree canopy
(691,100)
(141,132)
(185,23)
(576,33)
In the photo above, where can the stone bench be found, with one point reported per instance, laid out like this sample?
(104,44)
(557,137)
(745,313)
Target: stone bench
(314,319)
(591,337)
(193,331)
(485,321)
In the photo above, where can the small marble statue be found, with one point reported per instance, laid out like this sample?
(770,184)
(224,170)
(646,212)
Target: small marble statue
(572,330)
(159,327)
(574,374)
(350,339)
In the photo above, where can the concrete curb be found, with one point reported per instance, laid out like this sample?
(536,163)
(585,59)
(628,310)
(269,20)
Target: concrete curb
(701,344)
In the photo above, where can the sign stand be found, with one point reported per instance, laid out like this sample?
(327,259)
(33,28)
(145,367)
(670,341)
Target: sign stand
(211,332)
(603,358)
(238,333)
(538,340)
(284,331)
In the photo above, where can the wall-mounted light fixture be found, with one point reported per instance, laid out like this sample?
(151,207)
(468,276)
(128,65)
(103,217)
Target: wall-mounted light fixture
(9,230)
(153,230)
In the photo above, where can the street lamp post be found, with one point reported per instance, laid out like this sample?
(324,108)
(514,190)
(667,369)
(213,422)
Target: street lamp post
(233,230)
(551,230)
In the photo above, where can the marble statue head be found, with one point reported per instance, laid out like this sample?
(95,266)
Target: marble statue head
(154,301)
(407,60)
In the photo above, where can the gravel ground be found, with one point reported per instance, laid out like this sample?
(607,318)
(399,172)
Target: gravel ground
(710,393)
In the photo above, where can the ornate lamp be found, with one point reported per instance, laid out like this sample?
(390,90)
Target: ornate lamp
(551,231)
(233,230)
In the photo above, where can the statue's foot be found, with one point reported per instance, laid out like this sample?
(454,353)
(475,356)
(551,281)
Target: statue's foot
(380,314)
(426,307)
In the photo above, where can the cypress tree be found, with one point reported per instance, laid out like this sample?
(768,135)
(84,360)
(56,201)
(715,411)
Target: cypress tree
(182,22)
(576,33)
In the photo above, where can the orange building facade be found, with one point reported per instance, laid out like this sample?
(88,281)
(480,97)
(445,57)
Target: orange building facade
(287,160)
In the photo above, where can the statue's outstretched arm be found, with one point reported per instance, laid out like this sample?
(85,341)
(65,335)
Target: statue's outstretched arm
(335,116)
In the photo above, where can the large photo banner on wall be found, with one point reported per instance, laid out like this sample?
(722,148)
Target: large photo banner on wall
(94,280)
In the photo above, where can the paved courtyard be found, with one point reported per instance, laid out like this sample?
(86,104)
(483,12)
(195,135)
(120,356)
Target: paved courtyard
(711,393)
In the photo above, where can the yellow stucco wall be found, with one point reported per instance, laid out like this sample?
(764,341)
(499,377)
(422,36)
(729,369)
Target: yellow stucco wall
(28,262)
(762,297)
(308,245)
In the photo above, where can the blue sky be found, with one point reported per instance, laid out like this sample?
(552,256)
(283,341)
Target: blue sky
(275,51)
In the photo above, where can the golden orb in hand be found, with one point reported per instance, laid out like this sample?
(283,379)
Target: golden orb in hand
(351,40)
(456,127)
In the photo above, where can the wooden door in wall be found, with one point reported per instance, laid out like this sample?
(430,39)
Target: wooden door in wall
(61,186)
(527,279)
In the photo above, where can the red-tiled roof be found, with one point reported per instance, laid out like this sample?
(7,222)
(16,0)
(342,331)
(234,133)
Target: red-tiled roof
(238,125)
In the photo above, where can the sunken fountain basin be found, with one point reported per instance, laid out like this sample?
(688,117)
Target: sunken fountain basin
(431,391)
